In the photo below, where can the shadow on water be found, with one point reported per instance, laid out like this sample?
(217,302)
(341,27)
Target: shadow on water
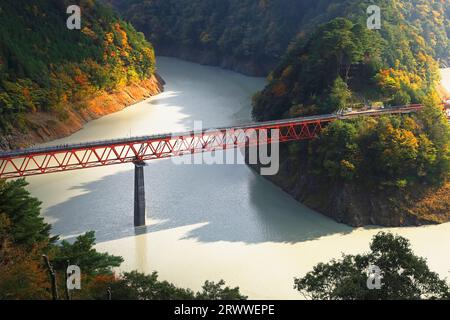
(243,207)
(232,202)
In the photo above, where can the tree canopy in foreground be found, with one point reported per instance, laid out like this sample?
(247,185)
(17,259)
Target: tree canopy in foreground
(403,275)
(25,237)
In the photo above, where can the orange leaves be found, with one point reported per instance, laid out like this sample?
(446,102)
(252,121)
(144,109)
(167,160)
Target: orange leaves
(80,77)
(28,99)
(279,89)
(22,274)
(122,36)
(116,43)
(26,92)
(57,70)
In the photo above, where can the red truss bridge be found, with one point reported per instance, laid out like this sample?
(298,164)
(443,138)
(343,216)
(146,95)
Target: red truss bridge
(44,160)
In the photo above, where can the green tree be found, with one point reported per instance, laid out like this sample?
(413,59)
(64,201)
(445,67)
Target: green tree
(22,273)
(437,129)
(23,210)
(403,275)
(401,98)
(83,254)
(55,69)
(340,94)
(218,291)
(24,237)
(138,286)
(336,152)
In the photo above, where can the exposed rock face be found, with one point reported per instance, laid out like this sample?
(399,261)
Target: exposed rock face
(242,65)
(356,205)
(43,126)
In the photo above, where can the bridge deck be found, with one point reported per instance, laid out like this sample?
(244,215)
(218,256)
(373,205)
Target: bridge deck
(43,160)
(257,125)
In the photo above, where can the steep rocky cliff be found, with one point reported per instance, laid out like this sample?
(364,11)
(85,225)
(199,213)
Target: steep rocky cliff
(390,170)
(357,205)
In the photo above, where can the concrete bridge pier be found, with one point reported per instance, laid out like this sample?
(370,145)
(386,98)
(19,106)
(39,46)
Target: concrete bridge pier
(139,194)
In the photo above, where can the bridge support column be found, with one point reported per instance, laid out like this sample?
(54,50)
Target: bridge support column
(139,194)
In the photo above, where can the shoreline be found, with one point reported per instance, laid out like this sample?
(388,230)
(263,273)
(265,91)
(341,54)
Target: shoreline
(47,126)
(242,65)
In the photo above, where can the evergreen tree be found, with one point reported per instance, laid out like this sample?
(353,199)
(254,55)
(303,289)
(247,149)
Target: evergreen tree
(340,94)
(23,210)
(403,275)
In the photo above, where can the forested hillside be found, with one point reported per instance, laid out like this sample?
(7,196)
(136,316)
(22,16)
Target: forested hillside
(250,36)
(246,35)
(47,68)
(388,171)
(322,58)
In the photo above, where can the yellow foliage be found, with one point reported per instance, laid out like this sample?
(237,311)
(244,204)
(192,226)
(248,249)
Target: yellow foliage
(410,124)
(89,33)
(400,144)
(109,37)
(347,165)
(279,89)
(394,79)
(205,37)
(287,71)
(433,205)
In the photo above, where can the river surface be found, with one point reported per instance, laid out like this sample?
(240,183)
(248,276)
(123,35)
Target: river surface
(205,222)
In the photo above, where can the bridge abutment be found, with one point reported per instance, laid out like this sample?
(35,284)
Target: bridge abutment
(139,194)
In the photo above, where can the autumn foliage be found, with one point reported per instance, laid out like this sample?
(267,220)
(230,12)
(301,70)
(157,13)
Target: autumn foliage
(53,69)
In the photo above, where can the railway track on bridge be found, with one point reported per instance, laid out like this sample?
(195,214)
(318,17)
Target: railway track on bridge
(44,160)
(137,150)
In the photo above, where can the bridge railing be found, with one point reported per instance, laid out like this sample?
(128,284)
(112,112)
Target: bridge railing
(43,160)
(266,124)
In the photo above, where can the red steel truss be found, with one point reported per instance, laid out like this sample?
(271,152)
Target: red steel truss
(34,161)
